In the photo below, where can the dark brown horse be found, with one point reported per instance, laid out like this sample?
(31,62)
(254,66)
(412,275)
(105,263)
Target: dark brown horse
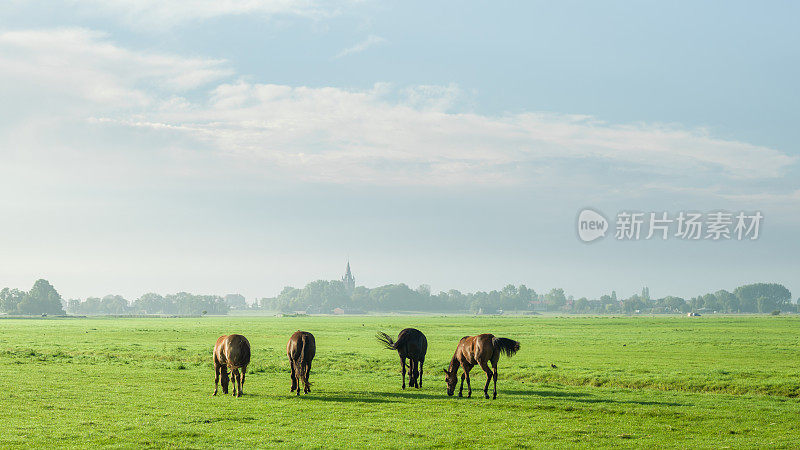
(478,350)
(231,352)
(411,344)
(301,349)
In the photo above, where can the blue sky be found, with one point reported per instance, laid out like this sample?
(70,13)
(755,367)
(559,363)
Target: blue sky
(219,147)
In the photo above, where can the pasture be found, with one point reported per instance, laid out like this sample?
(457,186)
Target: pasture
(618,381)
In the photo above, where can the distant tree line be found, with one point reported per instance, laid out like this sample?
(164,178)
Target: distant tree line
(44,299)
(749,298)
(182,303)
(323,296)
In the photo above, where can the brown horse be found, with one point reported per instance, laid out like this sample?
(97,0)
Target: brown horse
(231,352)
(301,349)
(411,344)
(478,350)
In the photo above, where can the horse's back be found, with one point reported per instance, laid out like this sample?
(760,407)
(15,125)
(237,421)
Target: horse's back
(301,342)
(416,344)
(236,350)
(477,348)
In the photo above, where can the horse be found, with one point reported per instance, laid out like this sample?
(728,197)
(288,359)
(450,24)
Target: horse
(411,344)
(231,351)
(301,349)
(478,350)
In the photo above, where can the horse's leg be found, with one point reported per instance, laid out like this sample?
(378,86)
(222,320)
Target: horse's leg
(414,373)
(298,373)
(294,375)
(235,373)
(469,386)
(419,382)
(494,366)
(403,366)
(488,371)
(307,372)
(461,389)
(244,373)
(216,378)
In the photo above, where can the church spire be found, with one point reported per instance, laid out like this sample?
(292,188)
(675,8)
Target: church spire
(348,280)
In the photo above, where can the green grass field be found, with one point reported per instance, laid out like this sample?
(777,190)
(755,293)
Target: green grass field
(638,382)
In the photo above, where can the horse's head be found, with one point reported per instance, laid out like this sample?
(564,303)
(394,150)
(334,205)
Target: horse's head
(224,379)
(451,380)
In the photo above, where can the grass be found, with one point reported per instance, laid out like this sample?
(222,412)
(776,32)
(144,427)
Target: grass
(636,382)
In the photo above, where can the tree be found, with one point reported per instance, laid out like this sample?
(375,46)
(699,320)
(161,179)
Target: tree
(150,303)
(727,301)
(236,301)
(114,304)
(696,303)
(633,303)
(582,305)
(674,304)
(774,294)
(555,298)
(525,296)
(74,306)
(41,299)
(10,300)
(710,302)
(765,304)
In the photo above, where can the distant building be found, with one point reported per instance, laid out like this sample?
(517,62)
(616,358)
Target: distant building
(538,305)
(349,281)
(340,311)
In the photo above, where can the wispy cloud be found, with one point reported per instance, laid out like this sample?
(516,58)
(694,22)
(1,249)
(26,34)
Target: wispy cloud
(161,13)
(326,134)
(84,66)
(369,42)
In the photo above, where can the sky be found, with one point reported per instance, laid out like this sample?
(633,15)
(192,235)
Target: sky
(242,146)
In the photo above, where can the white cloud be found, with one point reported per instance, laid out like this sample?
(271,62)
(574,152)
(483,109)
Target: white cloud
(369,42)
(373,136)
(84,66)
(147,13)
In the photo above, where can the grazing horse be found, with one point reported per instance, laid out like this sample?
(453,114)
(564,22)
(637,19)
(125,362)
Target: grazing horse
(478,350)
(232,351)
(411,344)
(301,349)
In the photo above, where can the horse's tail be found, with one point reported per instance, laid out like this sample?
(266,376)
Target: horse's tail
(246,354)
(386,340)
(304,371)
(302,359)
(505,345)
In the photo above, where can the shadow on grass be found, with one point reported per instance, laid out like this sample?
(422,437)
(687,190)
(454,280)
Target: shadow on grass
(346,398)
(542,393)
(410,394)
(581,397)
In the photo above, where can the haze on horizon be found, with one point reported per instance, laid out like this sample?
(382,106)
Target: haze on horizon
(150,146)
